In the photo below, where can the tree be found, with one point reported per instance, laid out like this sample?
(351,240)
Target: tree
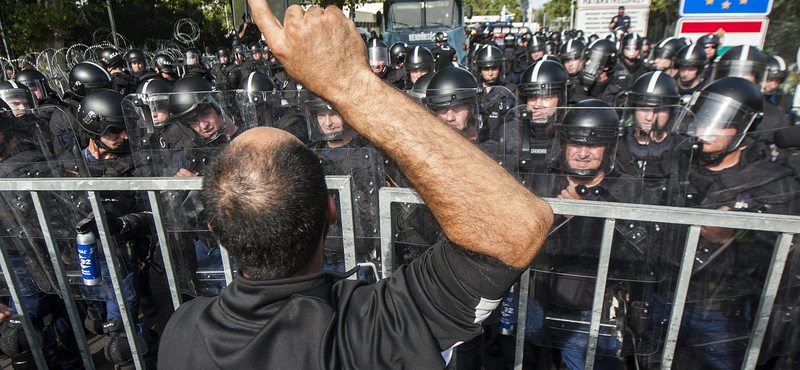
(494,7)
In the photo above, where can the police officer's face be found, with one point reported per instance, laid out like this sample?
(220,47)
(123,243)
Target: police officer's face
(662,64)
(137,66)
(18,105)
(377,65)
(223,59)
(584,157)
(9,74)
(631,52)
(770,86)
(256,56)
(207,122)
(456,117)
(649,118)
(329,121)
(573,66)
(490,73)
(688,73)
(711,51)
(415,74)
(715,140)
(159,115)
(115,137)
(36,91)
(538,54)
(542,106)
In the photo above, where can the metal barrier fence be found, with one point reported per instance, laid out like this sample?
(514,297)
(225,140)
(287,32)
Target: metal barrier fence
(786,226)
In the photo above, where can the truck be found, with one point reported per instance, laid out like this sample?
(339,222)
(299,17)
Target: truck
(416,22)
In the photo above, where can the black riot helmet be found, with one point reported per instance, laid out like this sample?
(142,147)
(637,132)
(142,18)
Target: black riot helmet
(591,122)
(440,38)
(155,94)
(378,54)
(240,50)
(164,64)
(265,95)
(135,55)
(417,58)
(420,87)
(597,57)
(742,61)
(85,77)
(572,49)
(193,96)
(537,43)
(223,51)
(691,55)
(320,115)
(17,96)
(100,111)
(490,57)
(193,56)
(539,83)
(509,40)
(668,48)
(550,48)
(776,69)
(631,41)
(708,39)
(110,58)
(35,81)
(653,89)
(397,54)
(729,102)
(453,87)
(526,37)
(255,48)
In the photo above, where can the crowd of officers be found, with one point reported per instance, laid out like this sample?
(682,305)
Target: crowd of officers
(615,119)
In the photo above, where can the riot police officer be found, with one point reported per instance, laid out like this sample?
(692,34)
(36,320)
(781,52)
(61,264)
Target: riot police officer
(664,53)
(137,63)
(194,64)
(223,74)
(17,96)
(418,62)
(691,61)
(164,66)
(378,56)
(443,53)
(397,54)
(37,82)
(112,60)
(452,95)
(595,81)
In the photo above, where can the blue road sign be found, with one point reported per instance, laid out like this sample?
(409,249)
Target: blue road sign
(732,8)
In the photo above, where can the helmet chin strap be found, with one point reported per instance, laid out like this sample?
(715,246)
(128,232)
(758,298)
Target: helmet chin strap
(712,159)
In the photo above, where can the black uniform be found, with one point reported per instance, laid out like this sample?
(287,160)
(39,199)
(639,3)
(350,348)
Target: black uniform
(442,55)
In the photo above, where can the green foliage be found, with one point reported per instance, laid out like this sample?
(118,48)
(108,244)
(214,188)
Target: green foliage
(782,32)
(494,7)
(557,8)
(36,25)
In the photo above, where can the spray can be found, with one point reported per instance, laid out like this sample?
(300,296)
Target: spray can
(508,313)
(87,254)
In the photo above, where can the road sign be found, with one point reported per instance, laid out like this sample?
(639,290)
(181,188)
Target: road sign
(612,3)
(595,21)
(726,8)
(738,31)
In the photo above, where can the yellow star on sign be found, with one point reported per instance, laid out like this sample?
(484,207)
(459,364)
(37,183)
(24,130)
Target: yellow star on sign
(709,2)
(742,2)
(726,4)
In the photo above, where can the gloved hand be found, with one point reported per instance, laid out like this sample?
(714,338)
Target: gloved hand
(115,225)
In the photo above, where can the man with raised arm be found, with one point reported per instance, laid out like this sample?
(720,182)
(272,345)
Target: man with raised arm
(266,201)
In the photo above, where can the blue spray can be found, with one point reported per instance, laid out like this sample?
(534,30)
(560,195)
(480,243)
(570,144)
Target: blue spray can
(87,254)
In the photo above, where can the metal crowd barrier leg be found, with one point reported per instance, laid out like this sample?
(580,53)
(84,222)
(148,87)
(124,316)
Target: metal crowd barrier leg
(676,316)
(27,325)
(166,253)
(522,318)
(770,290)
(599,292)
(387,196)
(343,185)
(116,277)
(63,281)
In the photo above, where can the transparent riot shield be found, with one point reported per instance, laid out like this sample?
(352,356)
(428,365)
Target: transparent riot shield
(364,167)
(173,147)
(570,153)
(731,266)
(495,104)
(28,159)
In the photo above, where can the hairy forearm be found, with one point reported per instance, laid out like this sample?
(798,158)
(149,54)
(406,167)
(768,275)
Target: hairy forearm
(478,204)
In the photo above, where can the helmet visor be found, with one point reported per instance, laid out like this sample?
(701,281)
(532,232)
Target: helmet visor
(719,117)
(747,69)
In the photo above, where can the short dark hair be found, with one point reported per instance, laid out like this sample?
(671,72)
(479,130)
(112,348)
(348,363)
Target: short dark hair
(267,208)
(621,8)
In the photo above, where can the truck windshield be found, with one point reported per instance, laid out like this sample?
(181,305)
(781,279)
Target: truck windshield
(420,16)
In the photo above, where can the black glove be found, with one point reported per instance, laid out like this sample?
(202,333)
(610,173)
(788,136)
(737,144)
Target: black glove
(116,225)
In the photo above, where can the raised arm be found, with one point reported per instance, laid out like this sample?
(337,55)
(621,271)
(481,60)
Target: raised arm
(478,204)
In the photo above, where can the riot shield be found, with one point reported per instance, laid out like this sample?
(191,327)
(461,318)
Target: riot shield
(20,227)
(364,167)
(167,148)
(495,104)
(570,153)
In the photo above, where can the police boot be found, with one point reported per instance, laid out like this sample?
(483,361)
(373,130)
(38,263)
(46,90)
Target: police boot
(15,344)
(118,351)
(95,317)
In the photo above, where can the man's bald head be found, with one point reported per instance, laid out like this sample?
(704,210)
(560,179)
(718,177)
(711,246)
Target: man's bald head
(265,198)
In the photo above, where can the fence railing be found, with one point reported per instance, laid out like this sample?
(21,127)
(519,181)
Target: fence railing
(785,226)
